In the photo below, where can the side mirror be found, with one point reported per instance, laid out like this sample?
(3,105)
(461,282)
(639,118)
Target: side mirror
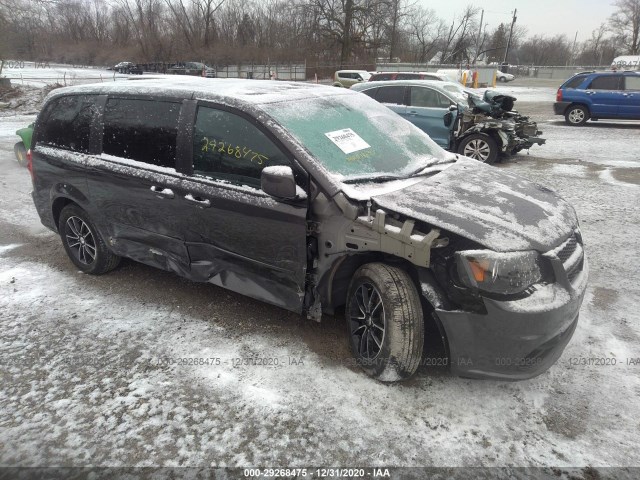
(453,108)
(278,181)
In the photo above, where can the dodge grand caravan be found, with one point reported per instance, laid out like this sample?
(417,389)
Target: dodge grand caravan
(316,200)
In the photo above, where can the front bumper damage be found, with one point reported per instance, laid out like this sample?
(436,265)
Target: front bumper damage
(519,339)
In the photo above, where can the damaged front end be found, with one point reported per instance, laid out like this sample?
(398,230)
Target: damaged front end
(493,115)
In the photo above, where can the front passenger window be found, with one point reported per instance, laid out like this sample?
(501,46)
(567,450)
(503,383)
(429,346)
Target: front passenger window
(428,98)
(229,147)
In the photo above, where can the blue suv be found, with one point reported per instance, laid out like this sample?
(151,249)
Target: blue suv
(595,95)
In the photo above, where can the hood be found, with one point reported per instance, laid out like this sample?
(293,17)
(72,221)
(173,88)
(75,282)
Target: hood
(501,211)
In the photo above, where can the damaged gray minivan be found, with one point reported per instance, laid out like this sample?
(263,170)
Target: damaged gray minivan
(319,201)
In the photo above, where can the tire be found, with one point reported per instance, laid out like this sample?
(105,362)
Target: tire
(480,147)
(21,153)
(502,79)
(576,115)
(83,242)
(385,323)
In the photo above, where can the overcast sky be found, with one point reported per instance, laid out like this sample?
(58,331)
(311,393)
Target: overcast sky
(538,16)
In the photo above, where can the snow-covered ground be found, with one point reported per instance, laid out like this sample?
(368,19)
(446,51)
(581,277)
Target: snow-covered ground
(92,371)
(39,74)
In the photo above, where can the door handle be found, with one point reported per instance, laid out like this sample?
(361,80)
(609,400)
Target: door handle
(162,192)
(202,202)
(590,93)
(413,112)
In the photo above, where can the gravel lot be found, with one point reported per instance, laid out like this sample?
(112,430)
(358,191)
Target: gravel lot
(92,374)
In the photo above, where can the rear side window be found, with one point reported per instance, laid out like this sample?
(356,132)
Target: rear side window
(632,83)
(575,82)
(609,82)
(66,122)
(381,77)
(407,76)
(142,130)
(390,95)
(229,147)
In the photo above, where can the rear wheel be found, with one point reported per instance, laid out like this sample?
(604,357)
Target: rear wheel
(83,242)
(576,115)
(480,147)
(21,153)
(385,322)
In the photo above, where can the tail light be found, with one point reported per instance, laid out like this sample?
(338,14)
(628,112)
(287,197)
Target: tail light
(559,95)
(30,163)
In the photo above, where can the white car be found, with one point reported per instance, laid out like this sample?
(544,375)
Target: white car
(504,77)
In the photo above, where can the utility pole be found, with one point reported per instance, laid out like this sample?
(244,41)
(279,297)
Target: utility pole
(478,43)
(513,22)
(573,49)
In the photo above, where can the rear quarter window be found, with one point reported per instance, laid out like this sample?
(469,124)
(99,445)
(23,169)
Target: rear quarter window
(575,82)
(66,122)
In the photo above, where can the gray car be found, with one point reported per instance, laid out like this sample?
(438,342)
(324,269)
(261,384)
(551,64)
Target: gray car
(321,201)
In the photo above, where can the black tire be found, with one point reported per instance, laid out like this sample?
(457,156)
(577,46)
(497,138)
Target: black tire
(576,115)
(21,153)
(502,79)
(480,147)
(385,323)
(83,242)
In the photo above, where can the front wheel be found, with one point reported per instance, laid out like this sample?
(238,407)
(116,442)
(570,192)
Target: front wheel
(83,242)
(21,153)
(576,115)
(480,147)
(385,322)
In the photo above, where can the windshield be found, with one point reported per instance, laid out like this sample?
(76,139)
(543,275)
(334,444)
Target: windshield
(354,137)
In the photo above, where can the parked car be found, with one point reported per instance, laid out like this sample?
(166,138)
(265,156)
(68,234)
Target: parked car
(626,62)
(478,128)
(20,149)
(504,77)
(386,76)
(596,95)
(347,78)
(316,200)
(128,68)
(196,69)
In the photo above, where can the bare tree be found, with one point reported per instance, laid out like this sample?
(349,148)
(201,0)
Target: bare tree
(625,22)
(427,30)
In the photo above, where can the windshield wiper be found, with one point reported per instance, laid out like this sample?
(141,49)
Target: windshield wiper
(377,179)
(389,178)
(432,165)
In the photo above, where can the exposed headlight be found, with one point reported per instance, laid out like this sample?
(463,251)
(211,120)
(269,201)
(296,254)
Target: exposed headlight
(505,273)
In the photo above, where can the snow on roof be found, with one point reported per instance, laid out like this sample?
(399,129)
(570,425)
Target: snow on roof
(235,90)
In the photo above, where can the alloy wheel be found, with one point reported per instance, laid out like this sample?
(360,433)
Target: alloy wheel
(477,149)
(80,240)
(576,116)
(366,321)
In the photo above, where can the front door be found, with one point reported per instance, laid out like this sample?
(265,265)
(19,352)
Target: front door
(427,108)
(630,107)
(237,236)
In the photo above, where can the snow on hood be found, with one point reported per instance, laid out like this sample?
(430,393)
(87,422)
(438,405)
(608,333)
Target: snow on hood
(502,211)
